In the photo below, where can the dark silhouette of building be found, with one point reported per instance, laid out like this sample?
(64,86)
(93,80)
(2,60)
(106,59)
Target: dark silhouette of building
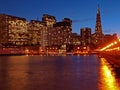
(85,36)
(76,39)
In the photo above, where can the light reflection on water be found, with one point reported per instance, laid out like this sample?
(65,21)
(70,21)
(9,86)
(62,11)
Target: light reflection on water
(56,73)
(12,73)
(107,77)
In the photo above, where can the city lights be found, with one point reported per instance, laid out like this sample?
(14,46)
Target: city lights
(49,34)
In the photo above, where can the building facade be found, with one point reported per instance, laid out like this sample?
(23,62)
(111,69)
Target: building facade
(76,39)
(85,36)
(35,29)
(49,21)
(62,32)
(13,30)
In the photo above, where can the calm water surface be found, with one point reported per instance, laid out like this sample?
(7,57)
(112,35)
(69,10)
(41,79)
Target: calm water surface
(57,73)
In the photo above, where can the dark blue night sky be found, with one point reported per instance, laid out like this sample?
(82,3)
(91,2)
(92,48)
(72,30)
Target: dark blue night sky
(82,12)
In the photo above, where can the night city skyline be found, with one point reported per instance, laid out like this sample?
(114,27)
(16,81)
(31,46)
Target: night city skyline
(59,45)
(82,13)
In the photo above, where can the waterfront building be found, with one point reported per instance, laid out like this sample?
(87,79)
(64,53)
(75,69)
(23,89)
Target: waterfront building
(97,37)
(49,21)
(13,30)
(76,39)
(62,33)
(85,39)
(38,34)
(85,36)
(34,29)
(44,37)
(52,50)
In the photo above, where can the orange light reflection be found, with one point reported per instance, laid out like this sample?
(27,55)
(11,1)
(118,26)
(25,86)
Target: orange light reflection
(107,79)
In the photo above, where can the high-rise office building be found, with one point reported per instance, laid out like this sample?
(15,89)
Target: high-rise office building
(85,36)
(35,29)
(97,37)
(49,21)
(62,33)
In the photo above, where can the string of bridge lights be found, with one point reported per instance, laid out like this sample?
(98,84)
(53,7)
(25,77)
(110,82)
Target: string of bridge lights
(109,46)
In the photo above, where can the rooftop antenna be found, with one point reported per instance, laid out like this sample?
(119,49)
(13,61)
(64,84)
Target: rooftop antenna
(98,3)
(98,6)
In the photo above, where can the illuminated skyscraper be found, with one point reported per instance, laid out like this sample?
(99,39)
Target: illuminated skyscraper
(37,33)
(98,35)
(98,27)
(62,32)
(49,21)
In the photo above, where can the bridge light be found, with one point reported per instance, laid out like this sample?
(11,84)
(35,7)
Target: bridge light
(119,39)
(115,42)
